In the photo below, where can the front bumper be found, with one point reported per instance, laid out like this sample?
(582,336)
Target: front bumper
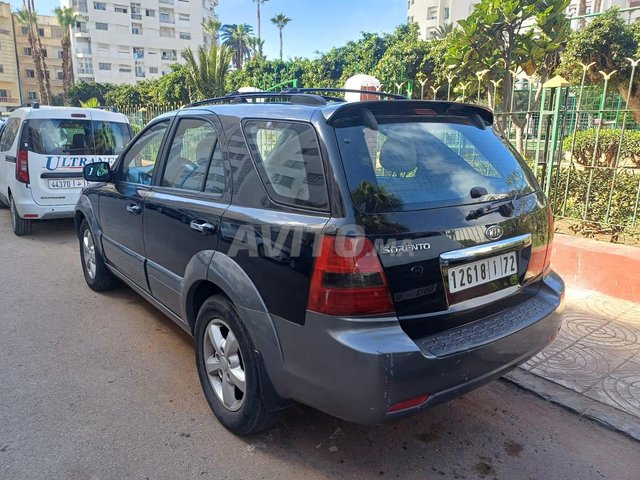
(356,369)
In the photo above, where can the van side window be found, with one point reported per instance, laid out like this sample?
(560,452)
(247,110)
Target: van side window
(190,155)
(287,155)
(140,161)
(9,133)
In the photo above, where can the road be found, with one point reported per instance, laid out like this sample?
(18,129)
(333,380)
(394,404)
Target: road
(103,386)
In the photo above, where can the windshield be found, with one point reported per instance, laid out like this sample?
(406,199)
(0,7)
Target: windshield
(77,137)
(412,164)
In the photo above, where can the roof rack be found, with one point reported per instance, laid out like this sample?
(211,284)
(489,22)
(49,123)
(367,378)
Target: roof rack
(298,96)
(31,104)
(108,108)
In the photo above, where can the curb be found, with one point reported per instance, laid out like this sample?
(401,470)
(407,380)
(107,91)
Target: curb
(607,416)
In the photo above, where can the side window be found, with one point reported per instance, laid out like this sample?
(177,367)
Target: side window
(288,158)
(9,133)
(140,161)
(190,155)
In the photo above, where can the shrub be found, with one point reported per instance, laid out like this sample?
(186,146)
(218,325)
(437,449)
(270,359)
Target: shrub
(607,147)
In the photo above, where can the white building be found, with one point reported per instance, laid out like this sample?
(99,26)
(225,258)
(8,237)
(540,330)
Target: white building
(430,14)
(124,41)
(599,6)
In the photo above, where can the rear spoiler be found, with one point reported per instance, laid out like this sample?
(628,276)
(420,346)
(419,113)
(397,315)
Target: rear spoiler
(479,116)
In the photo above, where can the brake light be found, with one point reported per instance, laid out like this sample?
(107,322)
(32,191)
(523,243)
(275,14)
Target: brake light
(348,279)
(540,260)
(22,166)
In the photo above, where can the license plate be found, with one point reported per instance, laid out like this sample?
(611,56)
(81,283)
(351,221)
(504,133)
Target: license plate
(483,271)
(67,183)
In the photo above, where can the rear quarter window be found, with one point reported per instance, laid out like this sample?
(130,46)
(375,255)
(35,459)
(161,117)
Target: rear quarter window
(287,156)
(9,133)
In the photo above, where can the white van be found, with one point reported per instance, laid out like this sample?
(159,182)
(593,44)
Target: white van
(42,153)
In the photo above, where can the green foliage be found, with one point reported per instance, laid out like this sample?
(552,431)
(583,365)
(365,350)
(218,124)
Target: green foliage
(91,103)
(236,38)
(82,91)
(206,72)
(172,87)
(608,143)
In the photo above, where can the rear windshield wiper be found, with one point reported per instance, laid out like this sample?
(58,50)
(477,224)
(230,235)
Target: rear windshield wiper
(504,205)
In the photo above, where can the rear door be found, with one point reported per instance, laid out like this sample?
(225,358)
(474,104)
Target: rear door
(183,211)
(60,144)
(8,156)
(457,220)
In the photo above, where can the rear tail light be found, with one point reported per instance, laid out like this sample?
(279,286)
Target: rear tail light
(540,261)
(407,404)
(348,279)
(22,166)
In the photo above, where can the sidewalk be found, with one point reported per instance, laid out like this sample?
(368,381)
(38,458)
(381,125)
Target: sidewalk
(593,366)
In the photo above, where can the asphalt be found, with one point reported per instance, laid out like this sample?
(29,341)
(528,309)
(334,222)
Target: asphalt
(103,386)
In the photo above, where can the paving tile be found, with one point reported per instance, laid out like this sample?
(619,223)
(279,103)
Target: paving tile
(620,390)
(631,317)
(592,303)
(561,342)
(578,367)
(578,324)
(615,337)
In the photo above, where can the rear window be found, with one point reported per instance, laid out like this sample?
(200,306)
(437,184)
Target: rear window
(77,137)
(287,155)
(412,164)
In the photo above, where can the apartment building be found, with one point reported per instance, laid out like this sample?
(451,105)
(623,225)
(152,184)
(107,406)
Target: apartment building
(599,6)
(124,42)
(9,82)
(51,38)
(430,14)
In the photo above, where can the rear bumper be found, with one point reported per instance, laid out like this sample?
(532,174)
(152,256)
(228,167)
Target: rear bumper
(355,369)
(26,206)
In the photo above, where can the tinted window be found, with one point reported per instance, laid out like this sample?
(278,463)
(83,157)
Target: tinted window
(140,160)
(409,165)
(190,155)
(77,137)
(9,133)
(288,159)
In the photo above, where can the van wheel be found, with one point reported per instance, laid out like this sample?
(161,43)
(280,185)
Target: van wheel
(96,274)
(19,225)
(228,370)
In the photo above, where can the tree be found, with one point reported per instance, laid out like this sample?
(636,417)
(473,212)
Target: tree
(207,70)
(66,19)
(582,10)
(255,47)
(212,27)
(173,87)
(443,31)
(258,3)
(27,16)
(280,21)
(608,42)
(82,91)
(93,102)
(236,38)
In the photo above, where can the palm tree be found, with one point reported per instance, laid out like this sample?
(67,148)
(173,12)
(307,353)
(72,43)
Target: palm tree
(207,70)
(212,27)
(582,9)
(258,3)
(66,19)
(280,21)
(255,46)
(93,102)
(236,37)
(443,30)
(28,16)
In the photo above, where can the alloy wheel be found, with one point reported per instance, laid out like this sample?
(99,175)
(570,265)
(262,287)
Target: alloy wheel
(89,253)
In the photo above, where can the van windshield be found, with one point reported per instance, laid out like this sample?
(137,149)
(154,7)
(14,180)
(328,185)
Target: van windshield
(52,136)
(412,164)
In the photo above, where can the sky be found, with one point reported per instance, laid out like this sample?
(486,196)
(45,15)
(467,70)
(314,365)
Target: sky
(316,25)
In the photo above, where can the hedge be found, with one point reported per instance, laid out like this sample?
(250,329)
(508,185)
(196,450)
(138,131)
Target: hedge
(607,147)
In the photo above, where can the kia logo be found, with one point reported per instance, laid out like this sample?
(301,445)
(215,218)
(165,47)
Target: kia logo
(494,232)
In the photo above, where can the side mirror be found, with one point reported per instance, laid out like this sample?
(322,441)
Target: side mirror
(97,172)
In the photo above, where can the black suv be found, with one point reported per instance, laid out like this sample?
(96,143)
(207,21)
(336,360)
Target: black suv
(370,259)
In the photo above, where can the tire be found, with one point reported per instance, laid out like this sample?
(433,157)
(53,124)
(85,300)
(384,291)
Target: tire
(221,369)
(96,274)
(19,225)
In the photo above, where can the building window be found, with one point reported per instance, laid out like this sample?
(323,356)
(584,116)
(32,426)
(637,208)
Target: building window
(24,30)
(124,69)
(99,6)
(30,73)
(153,69)
(4,93)
(136,28)
(140,71)
(104,66)
(120,9)
(165,17)
(44,52)
(446,13)
(167,32)
(27,51)
(85,67)
(183,17)
(60,75)
(138,53)
(150,13)
(32,95)
(102,26)
(432,13)
(41,32)
(136,12)
(60,54)
(185,36)
(1,68)
(56,32)
(169,55)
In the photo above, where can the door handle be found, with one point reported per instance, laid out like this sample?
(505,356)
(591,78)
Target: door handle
(10,158)
(203,227)
(134,208)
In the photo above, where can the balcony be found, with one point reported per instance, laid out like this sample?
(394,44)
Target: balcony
(85,71)
(81,32)
(9,100)
(167,2)
(167,33)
